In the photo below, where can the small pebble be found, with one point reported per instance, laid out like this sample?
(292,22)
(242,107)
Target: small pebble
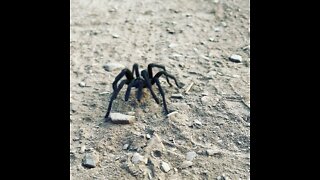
(221,178)
(235,58)
(148,136)
(119,118)
(171,31)
(205,94)
(191,155)
(125,147)
(82,84)
(224,24)
(82,149)
(172,45)
(211,74)
(115,36)
(197,122)
(177,96)
(113,66)
(211,152)
(186,164)
(211,39)
(88,161)
(136,158)
(205,100)
(165,167)
(217,29)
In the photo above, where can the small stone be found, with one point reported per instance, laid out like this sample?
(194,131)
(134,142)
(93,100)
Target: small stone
(119,118)
(165,167)
(224,24)
(186,164)
(205,94)
(136,158)
(246,48)
(177,96)
(82,84)
(211,39)
(171,31)
(205,100)
(148,136)
(181,65)
(235,58)
(113,66)
(88,161)
(115,36)
(172,45)
(221,178)
(82,149)
(211,152)
(217,29)
(125,147)
(191,155)
(197,122)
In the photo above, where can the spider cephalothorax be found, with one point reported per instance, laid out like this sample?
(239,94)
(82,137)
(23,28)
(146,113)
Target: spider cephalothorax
(145,80)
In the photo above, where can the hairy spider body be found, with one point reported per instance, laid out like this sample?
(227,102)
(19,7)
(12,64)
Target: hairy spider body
(145,79)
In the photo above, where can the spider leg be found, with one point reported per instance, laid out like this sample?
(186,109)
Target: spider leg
(135,69)
(148,84)
(129,90)
(152,65)
(162,94)
(167,75)
(125,72)
(114,96)
(140,86)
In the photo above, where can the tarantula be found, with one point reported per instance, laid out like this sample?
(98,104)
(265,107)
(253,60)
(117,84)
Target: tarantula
(146,81)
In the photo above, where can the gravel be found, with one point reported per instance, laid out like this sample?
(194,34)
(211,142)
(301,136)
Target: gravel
(191,155)
(119,118)
(88,161)
(165,167)
(235,58)
(136,158)
(186,164)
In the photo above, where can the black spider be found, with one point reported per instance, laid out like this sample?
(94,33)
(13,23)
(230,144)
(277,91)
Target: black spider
(146,81)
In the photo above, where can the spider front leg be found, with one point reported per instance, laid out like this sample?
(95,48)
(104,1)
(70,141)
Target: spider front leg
(152,65)
(156,80)
(135,69)
(140,86)
(125,72)
(114,96)
(167,75)
(148,84)
(126,97)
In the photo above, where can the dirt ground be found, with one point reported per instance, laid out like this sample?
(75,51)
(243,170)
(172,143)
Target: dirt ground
(209,135)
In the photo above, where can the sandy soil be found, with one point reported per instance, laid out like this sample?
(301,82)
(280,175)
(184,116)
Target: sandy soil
(209,136)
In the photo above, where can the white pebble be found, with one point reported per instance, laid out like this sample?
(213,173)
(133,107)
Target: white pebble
(191,155)
(165,167)
(82,84)
(186,164)
(235,58)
